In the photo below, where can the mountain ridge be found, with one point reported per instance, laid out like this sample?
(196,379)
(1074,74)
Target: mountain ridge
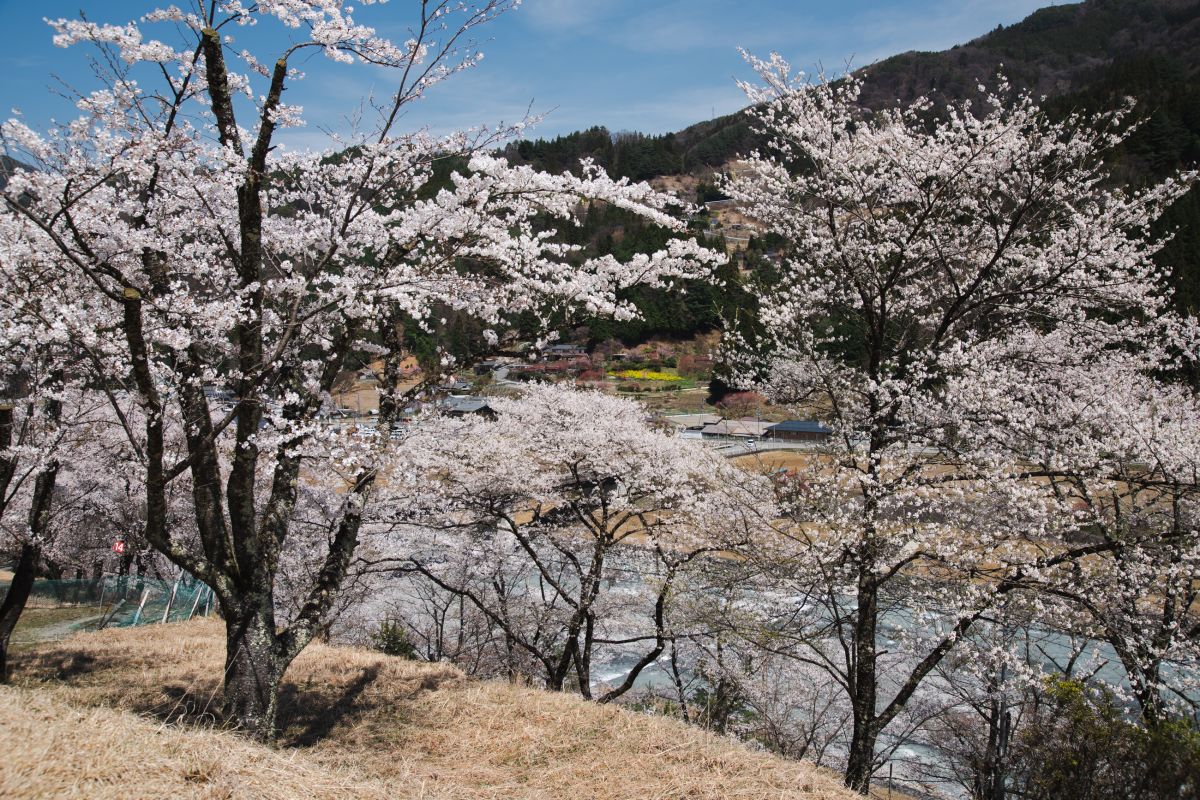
(1085,56)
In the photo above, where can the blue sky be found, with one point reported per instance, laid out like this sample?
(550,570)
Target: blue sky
(648,65)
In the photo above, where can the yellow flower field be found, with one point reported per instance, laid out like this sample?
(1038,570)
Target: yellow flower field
(645,375)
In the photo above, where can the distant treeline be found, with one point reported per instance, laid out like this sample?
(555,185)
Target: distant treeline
(1167,140)
(639,156)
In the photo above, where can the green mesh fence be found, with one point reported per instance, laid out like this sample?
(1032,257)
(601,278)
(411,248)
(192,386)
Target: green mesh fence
(135,601)
(117,601)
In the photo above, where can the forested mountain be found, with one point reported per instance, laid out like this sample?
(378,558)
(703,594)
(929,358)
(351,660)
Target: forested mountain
(7,167)
(1084,56)
(1054,51)
(1089,56)
(638,156)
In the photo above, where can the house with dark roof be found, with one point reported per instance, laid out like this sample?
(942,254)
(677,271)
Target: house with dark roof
(799,430)
(561,351)
(464,406)
(488,366)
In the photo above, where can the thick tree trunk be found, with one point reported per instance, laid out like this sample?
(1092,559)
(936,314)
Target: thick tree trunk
(864,689)
(254,666)
(14,601)
(860,763)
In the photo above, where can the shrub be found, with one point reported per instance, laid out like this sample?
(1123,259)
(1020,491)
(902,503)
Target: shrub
(1081,746)
(694,366)
(392,639)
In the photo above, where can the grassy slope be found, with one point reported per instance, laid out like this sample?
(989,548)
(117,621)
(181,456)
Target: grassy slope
(401,729)
(44,624)
(53,749)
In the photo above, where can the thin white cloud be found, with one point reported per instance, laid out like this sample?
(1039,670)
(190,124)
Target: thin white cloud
(804,28)
(630,96)
(568,15)
(886,32)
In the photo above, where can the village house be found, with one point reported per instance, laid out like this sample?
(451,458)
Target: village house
(799,430)
(561,366)
(735,429)
(561,351)
(488,366)
(462,406)
(690,426)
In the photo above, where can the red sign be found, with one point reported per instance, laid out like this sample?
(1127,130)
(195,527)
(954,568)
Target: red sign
(119,546)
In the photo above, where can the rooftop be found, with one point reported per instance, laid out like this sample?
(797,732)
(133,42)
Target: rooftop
(464,405)
(691,420)
(737,427)
(800,426)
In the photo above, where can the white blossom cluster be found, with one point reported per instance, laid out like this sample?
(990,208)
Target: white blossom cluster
(976,313)
(163,248)
(569,522)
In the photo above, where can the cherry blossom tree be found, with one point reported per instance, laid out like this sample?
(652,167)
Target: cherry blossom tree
(788,706)
(579,520)
(29,435)
(941,264)
(1126,460)
(46,418)
(28,442)
(992,680)
(191,251)
(65,475)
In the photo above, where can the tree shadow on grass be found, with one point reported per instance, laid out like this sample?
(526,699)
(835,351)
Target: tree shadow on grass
(57,664)
(109,678)
(311,712)
(307,717)
(313,706)
(191,705)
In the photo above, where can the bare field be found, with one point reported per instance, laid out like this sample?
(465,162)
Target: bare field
(771,460)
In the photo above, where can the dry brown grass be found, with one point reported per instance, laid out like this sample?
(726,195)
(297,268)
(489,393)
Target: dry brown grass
(52,749)
(417,730)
